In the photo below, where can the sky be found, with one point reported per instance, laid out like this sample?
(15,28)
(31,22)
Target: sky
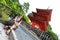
(44,4)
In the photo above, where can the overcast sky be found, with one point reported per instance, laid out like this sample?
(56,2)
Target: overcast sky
(44,4)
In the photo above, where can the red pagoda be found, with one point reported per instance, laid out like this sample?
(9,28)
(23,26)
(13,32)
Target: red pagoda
(41,18)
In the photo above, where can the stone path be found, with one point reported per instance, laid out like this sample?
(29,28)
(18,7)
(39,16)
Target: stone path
(21,33)
(3,36)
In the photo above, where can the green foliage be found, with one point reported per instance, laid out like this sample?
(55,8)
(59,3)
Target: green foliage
(6,11)
(25,7)
(3,1)
(50,32)
(16,7)
(5,16)
(14,4)
(49,28)
(55,37)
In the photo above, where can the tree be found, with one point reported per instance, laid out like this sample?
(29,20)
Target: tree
(25,7)
(16,8)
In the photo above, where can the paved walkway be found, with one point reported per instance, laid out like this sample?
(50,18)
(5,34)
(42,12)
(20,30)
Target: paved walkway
(21,33)
(3,36)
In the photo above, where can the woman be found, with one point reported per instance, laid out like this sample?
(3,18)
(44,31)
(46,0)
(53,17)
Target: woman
(13,24)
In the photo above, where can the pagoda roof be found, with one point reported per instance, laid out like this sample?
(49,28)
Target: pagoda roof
(44,11)
(42,17)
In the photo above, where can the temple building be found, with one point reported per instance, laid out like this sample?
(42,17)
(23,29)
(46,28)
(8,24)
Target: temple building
(41,18)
